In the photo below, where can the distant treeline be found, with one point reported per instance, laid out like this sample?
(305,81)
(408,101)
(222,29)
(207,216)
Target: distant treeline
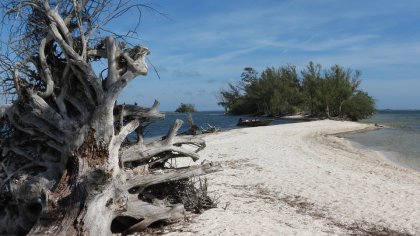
(330,93)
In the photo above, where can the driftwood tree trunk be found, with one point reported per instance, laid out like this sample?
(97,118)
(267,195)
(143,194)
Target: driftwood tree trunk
(67,167)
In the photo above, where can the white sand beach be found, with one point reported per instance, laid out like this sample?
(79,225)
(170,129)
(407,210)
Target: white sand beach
(296,179)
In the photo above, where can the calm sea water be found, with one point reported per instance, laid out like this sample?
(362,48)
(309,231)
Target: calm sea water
(202,119)
(400,143)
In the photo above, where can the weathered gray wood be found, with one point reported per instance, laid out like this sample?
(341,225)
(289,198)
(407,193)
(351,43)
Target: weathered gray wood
(63,138)
(134,111)
(141,182)
(3,109)
(111,48)
(150,213)
(144,152)
(45,68)
(176,212)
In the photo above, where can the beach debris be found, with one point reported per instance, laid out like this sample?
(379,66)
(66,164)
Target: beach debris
(195,130)
(209,129)
(379,126)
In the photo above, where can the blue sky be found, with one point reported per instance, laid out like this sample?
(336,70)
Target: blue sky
(202,45)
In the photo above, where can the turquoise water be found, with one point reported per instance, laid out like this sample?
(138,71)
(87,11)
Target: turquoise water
(400,142)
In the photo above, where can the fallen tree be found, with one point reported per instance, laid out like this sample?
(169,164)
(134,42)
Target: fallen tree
(66,165)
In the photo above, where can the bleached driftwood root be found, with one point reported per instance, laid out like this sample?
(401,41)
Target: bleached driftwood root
(66,166)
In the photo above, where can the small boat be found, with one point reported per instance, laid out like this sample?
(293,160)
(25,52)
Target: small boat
(253,122)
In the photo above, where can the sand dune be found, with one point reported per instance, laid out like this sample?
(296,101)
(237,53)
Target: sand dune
(296,179)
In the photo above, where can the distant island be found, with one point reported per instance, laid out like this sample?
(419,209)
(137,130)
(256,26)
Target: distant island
(186,107)
(332,93)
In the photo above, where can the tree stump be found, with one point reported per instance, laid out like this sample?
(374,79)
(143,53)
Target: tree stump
(67,167)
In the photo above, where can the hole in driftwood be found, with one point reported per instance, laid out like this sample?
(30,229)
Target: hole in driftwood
(158,224)
(37,169)
(34,208)
(121,223)
(71,109)
(134,190)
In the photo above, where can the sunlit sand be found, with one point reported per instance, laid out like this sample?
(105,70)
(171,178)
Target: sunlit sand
(298,179)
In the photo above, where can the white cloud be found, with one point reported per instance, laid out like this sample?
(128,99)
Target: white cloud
(367,35)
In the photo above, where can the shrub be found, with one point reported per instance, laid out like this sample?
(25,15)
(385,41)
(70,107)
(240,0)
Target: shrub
(185,107)
(359,106)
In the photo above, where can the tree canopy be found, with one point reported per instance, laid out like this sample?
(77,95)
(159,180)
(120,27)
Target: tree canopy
(282,91)
(186,107)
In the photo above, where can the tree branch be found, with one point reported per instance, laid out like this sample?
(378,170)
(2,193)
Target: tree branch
(145,152)
(85,73)
(68,19)
(62,26)
(59,100)
(77,8)
(43,110)
(3,110)
(111,48)
(43,127)
(46,72)
(150,213)
(136,65)
(67,49)
(134,111)
(125,130)
(138,183)
(97,53)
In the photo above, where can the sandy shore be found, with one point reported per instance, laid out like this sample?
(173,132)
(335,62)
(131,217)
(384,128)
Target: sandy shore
(295,179)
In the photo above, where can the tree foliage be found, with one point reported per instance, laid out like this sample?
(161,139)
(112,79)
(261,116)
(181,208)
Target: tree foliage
(359,106)
(186,107)
(282,91)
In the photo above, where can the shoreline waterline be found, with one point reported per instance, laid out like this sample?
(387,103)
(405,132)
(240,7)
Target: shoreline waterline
(386,119)
(391,156)
(301,178)
(398,140)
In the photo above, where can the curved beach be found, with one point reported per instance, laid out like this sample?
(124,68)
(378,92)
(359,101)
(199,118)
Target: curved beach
(298,179)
